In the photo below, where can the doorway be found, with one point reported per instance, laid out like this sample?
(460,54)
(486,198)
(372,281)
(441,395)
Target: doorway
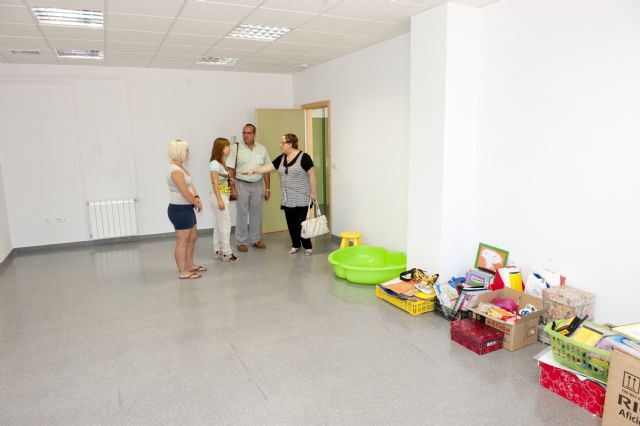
(318,146)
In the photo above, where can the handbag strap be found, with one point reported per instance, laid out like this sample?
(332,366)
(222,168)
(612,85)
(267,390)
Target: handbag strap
(309,209)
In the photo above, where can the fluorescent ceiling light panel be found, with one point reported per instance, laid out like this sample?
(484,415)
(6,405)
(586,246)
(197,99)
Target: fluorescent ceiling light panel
(69,17)
(258,32)
(74,53)
(218,60)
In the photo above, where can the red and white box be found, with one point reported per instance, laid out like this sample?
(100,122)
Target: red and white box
(581,390)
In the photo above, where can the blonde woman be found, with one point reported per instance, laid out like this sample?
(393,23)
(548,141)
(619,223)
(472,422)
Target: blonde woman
(183,200)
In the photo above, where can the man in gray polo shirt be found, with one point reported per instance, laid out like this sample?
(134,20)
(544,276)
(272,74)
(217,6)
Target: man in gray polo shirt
(251,189)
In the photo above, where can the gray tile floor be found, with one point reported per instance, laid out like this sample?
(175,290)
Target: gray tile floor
(107,335)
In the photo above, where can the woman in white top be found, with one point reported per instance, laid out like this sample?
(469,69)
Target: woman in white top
(183,200)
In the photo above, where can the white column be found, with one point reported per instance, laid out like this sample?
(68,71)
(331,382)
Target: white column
(442,144)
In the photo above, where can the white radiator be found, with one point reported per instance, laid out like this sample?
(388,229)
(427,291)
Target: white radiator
(112,219)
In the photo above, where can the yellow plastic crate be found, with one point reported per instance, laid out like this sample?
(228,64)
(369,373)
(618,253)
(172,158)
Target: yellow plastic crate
(414,308)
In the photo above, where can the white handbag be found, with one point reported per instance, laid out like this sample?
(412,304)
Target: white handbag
(315,226)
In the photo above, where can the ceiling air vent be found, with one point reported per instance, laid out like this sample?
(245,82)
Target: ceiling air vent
(218,60)
(25,52)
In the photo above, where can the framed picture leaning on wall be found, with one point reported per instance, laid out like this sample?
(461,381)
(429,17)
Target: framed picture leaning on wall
(490,258)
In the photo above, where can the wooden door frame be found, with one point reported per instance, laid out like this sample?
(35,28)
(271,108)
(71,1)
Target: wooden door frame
(308,113)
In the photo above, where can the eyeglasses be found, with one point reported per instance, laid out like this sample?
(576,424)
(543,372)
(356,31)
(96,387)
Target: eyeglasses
(247,133)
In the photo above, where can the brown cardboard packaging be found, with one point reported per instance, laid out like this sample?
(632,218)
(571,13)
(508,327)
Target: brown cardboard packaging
(622,403)
(516,336)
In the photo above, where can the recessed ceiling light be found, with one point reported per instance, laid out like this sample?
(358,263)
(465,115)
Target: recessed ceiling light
(74,53)
(218,60)
(25,52)
(68,17)
(258,32)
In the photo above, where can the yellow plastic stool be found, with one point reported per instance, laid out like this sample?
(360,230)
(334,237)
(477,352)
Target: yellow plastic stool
(347,236)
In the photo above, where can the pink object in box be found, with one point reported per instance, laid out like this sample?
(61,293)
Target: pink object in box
(565,301)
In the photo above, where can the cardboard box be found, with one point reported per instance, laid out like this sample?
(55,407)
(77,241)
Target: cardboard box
(565,301)
(516,336)
(622,405)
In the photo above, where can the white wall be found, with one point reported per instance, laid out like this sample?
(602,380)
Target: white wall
(5,232)
(369,93)
(559,142)
(443,138)
(68,136)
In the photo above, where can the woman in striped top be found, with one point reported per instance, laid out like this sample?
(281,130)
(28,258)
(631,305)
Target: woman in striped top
(298,187)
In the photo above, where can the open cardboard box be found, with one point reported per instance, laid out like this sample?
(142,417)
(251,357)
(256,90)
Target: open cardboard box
(622,404)
(516,336)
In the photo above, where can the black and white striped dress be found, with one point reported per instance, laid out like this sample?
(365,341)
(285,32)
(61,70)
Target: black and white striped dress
(294,181)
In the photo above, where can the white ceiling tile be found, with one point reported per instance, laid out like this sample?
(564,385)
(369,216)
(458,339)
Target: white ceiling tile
(309,59)
(431,3)
(230,53)
(332,24)
(381,30)
(175,65)
(175,49)
(404,15)
(16,15)
(81,61)
(352,40)
(131,64)
(121,21)
(234,2)
(12,2)
(301,6)
(206,11)
(232,43)
(287,69)
(307,37)
(61,43)
(114,46)
(33,60)
(278,18)
(329,50)
(205,28)
(51,31)
(475,3)
(257,63)
(366,9)
(128,56)
(272,56)
(146,7)
(127,36)
(191,40)
(214,67)
(176,59)
(281,46)
(21,30)
(22,42)
(70,4)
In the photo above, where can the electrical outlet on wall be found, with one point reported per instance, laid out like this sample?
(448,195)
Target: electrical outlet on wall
(61,219)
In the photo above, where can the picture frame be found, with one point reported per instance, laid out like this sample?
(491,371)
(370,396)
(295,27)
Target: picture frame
(490,258)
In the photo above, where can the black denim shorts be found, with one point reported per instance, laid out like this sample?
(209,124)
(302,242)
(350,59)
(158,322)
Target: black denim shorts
(182,216)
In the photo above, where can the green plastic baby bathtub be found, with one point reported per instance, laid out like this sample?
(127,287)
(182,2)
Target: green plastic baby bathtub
(368,264)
